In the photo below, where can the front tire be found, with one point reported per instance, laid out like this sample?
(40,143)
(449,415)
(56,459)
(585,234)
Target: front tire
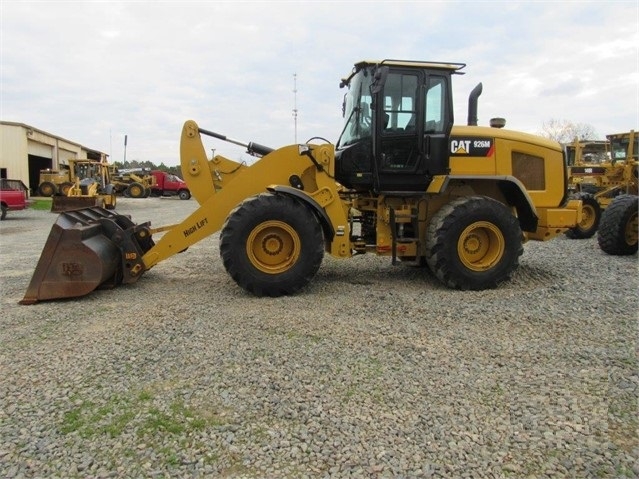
(591,216)
(65,187)
(272,245)
(473,243)
(135,190)
(618,228)
(184,194)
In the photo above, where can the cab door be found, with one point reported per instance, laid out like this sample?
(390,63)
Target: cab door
(413,123)
(438,123)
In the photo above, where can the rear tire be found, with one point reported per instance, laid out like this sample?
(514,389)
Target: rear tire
(618,228)
(47,189)
(591,216)
(272,245)
(3,212)
(473,243)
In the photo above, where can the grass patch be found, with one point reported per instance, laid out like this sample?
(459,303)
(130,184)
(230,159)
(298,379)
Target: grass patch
(41,204)
(137,413)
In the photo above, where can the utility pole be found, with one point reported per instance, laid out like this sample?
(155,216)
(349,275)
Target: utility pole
(295,103)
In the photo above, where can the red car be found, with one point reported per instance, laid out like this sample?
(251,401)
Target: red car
(14,195)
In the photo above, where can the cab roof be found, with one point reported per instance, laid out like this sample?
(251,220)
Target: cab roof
(451,66)
(448,66)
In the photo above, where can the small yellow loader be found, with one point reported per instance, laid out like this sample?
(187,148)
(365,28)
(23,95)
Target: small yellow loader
(91,186)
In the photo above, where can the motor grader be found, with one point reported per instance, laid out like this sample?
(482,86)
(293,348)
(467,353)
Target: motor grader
(618,232)
(598,179)
(133,182)
(400,182)
(54,182)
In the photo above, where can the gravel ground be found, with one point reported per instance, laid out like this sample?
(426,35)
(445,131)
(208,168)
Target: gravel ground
(373,371)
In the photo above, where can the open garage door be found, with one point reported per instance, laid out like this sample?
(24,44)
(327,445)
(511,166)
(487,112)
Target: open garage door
(37,163)
(40,158)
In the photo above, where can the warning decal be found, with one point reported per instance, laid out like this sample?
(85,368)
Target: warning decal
(471,146)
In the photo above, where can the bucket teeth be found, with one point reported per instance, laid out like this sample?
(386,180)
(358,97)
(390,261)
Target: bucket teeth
(88,249)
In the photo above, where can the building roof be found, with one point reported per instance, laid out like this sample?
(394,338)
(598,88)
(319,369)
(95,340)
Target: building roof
(33,128)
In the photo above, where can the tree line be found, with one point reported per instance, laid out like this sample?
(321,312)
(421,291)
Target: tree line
(563,131)
(133,164)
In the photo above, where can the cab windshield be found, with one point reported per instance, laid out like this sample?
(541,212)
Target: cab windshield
(357,110)
(619,147)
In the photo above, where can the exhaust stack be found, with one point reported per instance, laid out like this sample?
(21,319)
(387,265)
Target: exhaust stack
(472,105)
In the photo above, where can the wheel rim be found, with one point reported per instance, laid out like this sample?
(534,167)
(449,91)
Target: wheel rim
(47,190)
(273,247)
(588,217)
(631,230)
(481,246)
(136,191)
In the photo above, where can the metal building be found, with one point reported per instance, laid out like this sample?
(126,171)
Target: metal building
(25,150)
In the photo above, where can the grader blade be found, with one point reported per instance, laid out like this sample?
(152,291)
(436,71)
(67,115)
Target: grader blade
(88,249)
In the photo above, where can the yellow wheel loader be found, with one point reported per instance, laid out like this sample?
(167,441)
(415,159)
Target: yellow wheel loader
(596,181)
(400,182)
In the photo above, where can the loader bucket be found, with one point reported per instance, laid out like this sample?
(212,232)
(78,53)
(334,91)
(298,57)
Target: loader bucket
(88,249)
(61,204)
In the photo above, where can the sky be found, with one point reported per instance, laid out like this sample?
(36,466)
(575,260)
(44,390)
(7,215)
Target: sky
(93,72)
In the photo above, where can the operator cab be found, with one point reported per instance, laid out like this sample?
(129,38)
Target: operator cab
(624,146)
(398,117)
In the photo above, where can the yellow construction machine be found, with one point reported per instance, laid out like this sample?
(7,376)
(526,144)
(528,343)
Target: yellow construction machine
(54,182)
(133,182)
(400,182)
(618,232)
(90,185)
(602,170)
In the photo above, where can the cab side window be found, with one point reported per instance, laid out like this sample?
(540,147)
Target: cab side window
(400,95)
(435,99)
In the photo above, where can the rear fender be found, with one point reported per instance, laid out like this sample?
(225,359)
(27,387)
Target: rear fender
(518,197)
(510,187)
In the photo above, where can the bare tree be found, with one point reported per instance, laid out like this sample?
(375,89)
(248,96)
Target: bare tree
(565,131)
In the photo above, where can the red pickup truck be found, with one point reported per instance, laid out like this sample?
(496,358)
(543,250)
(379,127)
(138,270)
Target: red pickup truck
(14,195)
